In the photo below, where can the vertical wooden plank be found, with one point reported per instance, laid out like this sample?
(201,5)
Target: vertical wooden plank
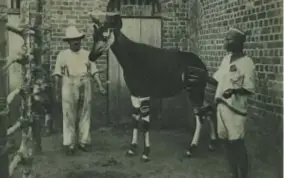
(113,92)
(151,32)
(117,5)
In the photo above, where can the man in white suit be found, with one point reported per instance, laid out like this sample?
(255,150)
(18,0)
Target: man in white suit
(77,72)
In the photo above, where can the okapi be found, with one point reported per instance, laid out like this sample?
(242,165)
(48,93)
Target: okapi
(151,72)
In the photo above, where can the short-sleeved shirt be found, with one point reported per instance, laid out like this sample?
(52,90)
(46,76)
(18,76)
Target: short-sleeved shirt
(238,74)
(76,63)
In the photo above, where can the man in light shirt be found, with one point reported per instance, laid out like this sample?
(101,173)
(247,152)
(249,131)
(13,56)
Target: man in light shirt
(77,72)
(235,81)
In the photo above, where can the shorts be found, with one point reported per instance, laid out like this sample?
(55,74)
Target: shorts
(230,125)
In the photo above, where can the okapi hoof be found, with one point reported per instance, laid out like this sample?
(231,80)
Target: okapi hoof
(145,158)
(190,151)
(132,151)
(145,154)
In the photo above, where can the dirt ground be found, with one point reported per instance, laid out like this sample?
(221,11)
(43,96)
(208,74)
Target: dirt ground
(107,159)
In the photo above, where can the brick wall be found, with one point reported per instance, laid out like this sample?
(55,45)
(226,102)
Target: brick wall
(175,34)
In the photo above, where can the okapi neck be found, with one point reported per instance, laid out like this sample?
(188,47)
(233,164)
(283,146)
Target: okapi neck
(120,43)
(120,47)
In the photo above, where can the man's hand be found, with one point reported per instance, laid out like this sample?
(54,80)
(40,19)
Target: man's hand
(228,93)
(102,90)
(212,81)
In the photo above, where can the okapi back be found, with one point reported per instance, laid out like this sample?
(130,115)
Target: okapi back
(151,71)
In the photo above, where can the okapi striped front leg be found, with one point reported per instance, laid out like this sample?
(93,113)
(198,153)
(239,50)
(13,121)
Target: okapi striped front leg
(136,104)
(145,116)
(141,110)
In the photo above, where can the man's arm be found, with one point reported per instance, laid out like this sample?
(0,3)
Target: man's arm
(96,75)
(98,80)
(57,76)
(242,91)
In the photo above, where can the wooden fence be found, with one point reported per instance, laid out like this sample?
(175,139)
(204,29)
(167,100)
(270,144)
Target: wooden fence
(31,91)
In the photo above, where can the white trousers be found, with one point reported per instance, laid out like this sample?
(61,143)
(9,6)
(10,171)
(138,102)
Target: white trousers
(76,107)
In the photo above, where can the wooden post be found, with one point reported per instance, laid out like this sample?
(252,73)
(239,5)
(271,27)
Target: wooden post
(30,59)
(4,163)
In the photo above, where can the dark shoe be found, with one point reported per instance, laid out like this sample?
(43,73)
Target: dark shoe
(84,147)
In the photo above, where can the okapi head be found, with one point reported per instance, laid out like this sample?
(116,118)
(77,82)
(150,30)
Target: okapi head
(107,26)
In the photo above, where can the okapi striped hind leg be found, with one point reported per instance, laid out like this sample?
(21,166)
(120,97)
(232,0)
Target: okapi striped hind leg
(200,117)
(196,136)
(196,93)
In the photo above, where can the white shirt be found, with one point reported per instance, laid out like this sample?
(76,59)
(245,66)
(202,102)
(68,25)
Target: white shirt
(238,74)
(75,62)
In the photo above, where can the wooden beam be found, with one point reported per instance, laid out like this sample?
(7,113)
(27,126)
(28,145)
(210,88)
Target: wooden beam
(4,162)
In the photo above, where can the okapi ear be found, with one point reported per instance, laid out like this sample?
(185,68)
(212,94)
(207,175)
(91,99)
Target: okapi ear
(115,22)
(118,21)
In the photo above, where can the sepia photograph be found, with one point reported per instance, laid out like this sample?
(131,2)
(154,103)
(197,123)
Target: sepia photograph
(141,89)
